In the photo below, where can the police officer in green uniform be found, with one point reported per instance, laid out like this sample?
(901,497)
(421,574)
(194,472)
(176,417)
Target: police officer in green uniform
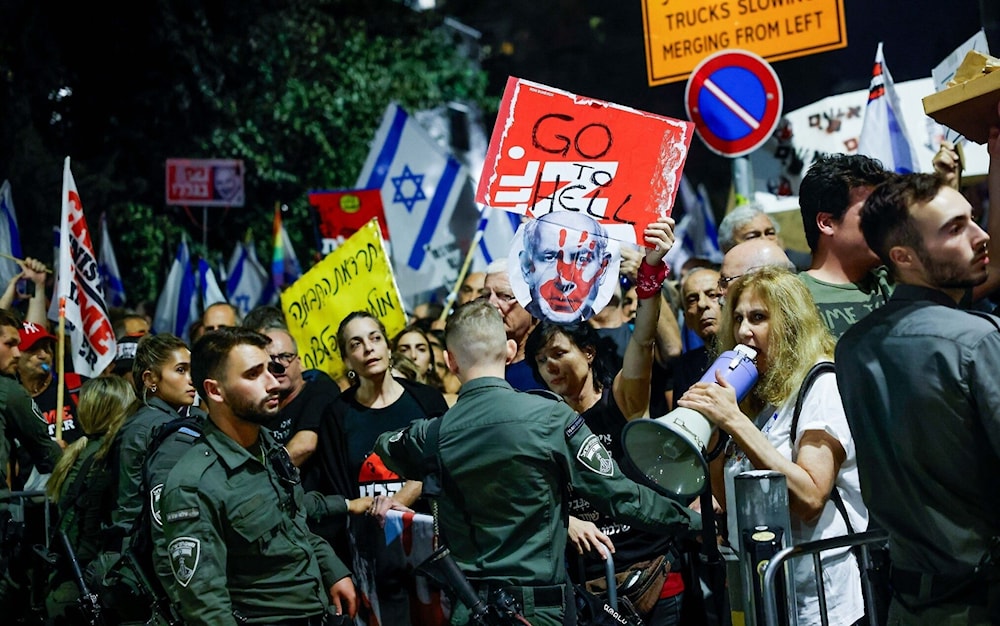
(232,508)
(505,459)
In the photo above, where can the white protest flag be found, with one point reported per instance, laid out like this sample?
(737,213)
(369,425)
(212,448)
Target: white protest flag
(10,237)
(177,306)
(883,134)
(420,184)
(208,286)
(247,278)
(111,278)
(91,337)
(696,234)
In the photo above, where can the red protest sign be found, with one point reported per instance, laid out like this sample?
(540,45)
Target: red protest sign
(344,212)
(555,151)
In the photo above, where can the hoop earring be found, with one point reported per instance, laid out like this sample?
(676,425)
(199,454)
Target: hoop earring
(153,388)
(351,374)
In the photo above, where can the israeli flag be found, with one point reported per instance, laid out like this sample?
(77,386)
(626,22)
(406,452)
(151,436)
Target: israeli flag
(177,305)
(696,234)
(10,237)
(247,278)
(208,286)
(883,134)
(497,228)
(107,264)
(420,184)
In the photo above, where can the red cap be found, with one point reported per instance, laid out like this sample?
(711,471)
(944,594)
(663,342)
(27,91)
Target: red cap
(31,334)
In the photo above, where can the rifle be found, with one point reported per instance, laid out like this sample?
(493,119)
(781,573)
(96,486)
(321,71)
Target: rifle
(90,605)
(160,605)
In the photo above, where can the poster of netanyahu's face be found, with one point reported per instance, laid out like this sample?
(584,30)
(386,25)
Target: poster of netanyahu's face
(563,266)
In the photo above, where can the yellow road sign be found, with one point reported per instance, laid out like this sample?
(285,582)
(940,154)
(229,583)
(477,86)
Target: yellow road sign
(680,33)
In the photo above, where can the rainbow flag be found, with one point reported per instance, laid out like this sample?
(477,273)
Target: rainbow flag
(285,268)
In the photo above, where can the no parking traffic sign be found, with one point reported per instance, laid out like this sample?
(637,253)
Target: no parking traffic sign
(734,99)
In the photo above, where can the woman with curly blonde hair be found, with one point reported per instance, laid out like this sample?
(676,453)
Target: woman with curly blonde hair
(771,311)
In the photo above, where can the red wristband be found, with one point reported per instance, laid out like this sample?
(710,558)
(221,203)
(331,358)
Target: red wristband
(649,279)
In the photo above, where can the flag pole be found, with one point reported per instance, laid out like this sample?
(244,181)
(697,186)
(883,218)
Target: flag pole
(453,294)
(61,369)
(19,261)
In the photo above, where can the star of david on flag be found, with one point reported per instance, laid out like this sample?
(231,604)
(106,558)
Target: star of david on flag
(420,184)
(408,194)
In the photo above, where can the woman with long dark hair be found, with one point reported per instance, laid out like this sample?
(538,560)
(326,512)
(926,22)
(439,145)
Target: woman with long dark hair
(573,361)
(162,376)
(375,402)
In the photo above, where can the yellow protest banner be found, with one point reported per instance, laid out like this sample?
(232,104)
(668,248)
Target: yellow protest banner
(680,33)
(357,276)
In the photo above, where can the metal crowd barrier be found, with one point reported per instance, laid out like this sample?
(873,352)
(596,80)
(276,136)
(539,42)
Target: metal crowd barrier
(814,548)
(15,501)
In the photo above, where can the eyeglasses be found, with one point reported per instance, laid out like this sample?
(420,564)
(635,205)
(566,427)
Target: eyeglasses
(284,358)
(724,281)
(276,368)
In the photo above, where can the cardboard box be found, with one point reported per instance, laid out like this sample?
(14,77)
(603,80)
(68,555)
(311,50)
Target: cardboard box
(969,108)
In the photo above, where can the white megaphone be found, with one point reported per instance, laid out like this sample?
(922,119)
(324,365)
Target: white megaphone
(669,452)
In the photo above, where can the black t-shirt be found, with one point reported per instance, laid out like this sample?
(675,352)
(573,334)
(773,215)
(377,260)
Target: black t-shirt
(632,545)
(363,425)
(305,411)
(46,401)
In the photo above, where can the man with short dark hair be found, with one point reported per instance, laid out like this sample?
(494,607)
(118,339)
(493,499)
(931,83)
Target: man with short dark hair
(844,277)
(918,380)
(504,458)
(470,288)
(232,508)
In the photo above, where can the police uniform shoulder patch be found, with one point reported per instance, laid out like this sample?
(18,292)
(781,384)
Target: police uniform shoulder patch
(595,457)
(575,426)
(184,553)
(154,503)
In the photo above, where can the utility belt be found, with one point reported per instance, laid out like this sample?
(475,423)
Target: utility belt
(926,589)
(323,619)
(526,595)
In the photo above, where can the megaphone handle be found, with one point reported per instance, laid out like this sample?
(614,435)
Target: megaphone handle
(721,441)
(709,545)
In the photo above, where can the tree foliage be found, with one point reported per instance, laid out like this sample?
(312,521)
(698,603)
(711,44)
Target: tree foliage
(295,89)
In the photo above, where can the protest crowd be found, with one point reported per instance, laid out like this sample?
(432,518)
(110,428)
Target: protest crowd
(220,472)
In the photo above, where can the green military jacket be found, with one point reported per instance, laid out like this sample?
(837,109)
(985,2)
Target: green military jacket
(132,442)
(507,459)
(20,419)
(236,537)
